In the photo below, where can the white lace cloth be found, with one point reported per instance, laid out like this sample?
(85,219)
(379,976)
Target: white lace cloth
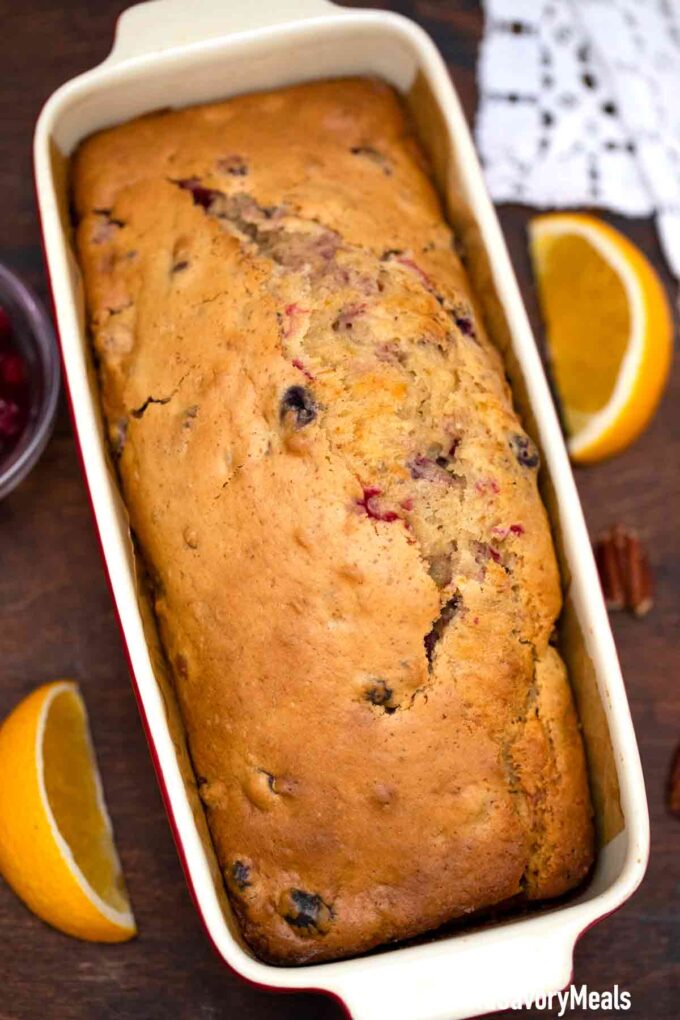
(580,106)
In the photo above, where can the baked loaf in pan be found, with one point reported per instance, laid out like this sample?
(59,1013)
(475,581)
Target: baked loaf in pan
(352,569)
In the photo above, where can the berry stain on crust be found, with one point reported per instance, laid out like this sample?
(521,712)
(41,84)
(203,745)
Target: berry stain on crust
(345,319)
(297,407)
(235,166)
(430,470)
(118,436)
(271,779)
(379,694)
(487,486)
(501,533)
(297,363)
(202,196)
(239,873)
(306,912)
(370,503)
(400,257)
(465,325)
(524,450)
(105,227)
(294,316)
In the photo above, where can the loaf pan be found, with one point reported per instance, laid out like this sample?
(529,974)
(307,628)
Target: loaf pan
(180,53)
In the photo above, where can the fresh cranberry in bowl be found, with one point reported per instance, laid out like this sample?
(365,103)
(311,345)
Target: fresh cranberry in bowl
(29,379)
(14,390)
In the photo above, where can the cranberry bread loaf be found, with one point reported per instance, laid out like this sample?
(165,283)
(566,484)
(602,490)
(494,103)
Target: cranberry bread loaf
(353,573)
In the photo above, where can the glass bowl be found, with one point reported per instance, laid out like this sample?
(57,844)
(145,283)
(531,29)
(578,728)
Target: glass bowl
(33,338)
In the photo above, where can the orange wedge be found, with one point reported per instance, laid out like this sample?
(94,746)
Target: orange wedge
(56,843)
(609,330)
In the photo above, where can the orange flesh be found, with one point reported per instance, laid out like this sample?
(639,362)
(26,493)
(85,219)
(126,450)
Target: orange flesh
(72,793)
(586,311)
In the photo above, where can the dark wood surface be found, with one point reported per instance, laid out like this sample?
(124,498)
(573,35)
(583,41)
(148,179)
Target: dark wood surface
(56,620)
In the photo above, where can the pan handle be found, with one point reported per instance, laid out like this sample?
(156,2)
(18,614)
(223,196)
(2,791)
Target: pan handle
(465,978)
(160,25)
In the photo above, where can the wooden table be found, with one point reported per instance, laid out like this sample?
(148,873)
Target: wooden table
(56,620)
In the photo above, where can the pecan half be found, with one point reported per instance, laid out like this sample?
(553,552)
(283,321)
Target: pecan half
(624,571)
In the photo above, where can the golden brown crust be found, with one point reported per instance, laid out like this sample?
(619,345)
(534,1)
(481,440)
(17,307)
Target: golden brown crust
(354,576)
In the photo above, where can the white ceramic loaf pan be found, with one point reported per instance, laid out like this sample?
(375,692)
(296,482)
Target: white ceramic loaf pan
(179,52)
